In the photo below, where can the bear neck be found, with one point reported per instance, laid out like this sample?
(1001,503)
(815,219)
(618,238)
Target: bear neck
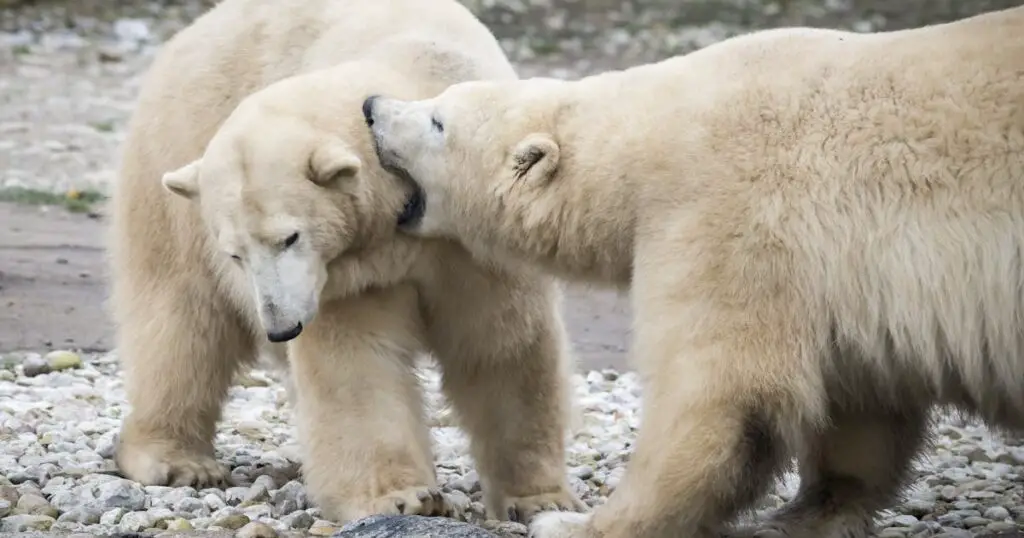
(580,226)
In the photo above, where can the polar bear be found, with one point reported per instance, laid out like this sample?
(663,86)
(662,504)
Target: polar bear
(821,231)
(251,216)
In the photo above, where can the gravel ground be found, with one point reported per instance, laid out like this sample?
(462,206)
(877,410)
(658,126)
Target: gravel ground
(59,415)
(67,80)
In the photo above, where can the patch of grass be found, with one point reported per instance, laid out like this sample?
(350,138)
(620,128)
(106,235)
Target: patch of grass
(542,47)
(103,126)
(74,201)
(21,50)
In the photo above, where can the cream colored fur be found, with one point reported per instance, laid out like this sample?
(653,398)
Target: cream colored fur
(250,117)
(822,232)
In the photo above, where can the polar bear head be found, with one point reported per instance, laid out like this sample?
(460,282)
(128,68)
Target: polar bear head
(512,171)
(283,190)
(475,140)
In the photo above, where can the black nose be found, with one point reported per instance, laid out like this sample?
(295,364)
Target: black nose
(285,336)
(368,109)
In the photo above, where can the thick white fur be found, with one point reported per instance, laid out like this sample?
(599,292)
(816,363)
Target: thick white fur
(822,231)
(251,119)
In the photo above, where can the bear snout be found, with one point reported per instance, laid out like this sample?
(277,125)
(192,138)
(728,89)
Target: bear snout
(368,109)
(284,336)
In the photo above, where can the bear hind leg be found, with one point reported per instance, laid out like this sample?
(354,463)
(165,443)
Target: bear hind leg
(722,409)
(848,473)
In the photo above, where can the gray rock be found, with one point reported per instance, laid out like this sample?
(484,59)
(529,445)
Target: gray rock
(266,481)
(135,521)
(904,521)
(9,494)
(121,493)
(953,533)
(112,516)
(33,473)
(159,517)
(256,529)
(235,495)
(35,505)
(468,484)
(298,520)
(213,501)
(410,526)
(256,493)
(33,366)
(918,507)
(192,505)
(86,514)
(291,494)
(997,513)
(26,523)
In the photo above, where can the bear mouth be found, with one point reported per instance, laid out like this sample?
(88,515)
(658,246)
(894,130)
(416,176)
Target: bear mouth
(415,206)
(416,202)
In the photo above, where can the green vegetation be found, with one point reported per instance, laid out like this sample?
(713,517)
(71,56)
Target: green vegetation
(74,201)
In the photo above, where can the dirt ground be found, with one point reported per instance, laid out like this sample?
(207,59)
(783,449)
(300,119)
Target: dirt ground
(53,288)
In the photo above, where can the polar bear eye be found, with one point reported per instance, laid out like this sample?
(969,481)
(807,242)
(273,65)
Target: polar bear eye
(236,257)
(437,125)
(291,239)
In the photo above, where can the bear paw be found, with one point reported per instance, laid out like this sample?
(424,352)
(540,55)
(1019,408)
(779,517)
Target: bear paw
(420,501)
(153,466)
(523,509)
(561,525)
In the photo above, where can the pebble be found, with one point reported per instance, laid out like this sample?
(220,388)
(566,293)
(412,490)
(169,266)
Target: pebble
(62,360)
(298,520)
(35,505)
(256,529)
(232,521)
(399,526)
(179,524)
(33,366)
(135,521)
(121,493)
(26,523)
(997,513)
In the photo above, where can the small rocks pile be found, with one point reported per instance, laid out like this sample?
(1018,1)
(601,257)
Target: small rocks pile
(59,416)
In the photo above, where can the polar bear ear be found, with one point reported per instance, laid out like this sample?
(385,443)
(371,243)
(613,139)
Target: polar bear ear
(333,163)
(184,181)
(535,159)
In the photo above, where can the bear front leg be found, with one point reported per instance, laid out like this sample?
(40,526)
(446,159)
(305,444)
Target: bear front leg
(179,347)
(366,446)
(504,358)
(726,394)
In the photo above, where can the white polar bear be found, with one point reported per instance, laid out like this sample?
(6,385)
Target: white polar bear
(822,232)
(280,233)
